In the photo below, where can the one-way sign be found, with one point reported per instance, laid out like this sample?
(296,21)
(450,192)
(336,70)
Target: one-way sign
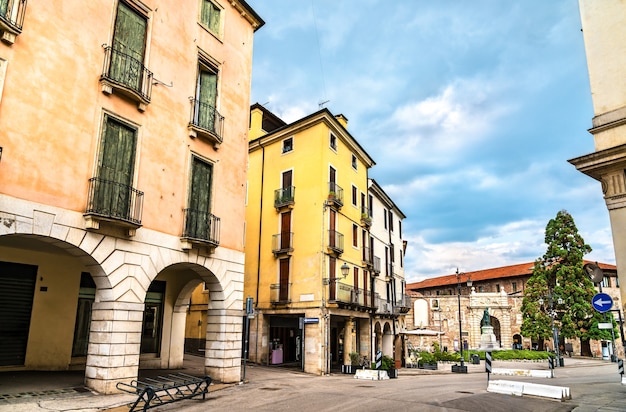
(602,302)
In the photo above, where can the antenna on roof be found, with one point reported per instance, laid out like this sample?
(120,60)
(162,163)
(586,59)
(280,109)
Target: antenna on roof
(322,103)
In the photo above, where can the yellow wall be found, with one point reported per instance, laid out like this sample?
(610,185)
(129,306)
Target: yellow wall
(310,161)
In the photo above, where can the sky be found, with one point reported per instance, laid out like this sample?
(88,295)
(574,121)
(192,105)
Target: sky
(470,110)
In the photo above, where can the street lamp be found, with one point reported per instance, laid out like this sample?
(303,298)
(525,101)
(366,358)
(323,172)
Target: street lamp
(555,330)
(462,368)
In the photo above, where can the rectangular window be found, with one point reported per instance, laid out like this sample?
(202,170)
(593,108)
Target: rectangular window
(497,288)
(129,48)
(288,145)
(354,196)
(113,194)
(354,164)
(606,282)
(283,295)
(333,142)
(199,222)
(370,205)
(390,221)
(205,115)
(400,228)
(355,235)
(210,15)
(86,297)
(385,217)
(514,286)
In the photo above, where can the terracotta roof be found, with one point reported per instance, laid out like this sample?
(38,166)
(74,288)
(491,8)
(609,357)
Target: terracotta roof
(522,269)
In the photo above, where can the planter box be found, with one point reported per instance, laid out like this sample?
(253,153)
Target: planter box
(393,373)
(349,369)
(429,366)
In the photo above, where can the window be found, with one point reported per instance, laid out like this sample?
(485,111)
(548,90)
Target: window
(11,19)
(333,142)
(355,235)
(385,217)
(210,16)
(86,297)
(354,164)
(112,193)
(514,286)
(390,221)
(354,196)
(370,205)
(153,318)
(206,121)
(606,282)
(497,288)
(200,224)
(126,56)
(288,145)
(400,228)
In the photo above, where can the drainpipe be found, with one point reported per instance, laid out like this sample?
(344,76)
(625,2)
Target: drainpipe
(258,263)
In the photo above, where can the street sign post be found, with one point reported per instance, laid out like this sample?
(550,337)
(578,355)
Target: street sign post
(602,302)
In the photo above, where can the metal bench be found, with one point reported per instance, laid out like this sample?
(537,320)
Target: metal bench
(153,392)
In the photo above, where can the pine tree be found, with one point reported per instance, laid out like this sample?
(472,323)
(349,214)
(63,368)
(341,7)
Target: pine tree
(558,280)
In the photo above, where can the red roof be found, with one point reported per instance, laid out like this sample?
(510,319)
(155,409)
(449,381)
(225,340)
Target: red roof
(522,269)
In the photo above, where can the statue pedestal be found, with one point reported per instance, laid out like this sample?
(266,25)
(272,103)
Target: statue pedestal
(488,340)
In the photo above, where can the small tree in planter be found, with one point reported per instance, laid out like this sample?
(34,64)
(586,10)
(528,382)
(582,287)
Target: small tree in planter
(354,363)
(388,365)
(427,361)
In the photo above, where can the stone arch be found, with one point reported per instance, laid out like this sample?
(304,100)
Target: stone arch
(495,323)
(421,313)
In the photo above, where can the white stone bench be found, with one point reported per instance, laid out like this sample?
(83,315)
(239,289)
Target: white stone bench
(558,393)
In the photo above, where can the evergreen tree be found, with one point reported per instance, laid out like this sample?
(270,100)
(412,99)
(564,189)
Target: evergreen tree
(559,281)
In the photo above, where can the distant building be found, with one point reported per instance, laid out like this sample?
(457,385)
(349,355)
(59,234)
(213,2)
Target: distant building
(317,231)
(501,290)
(604,30)
(122,183)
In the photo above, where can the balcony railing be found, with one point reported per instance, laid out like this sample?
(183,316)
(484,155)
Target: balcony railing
(384,307)
(201,227)
(367,256)
(282,243)
(335,242)
(126,74)
(376,266)
(11,19)
(206,122)
(114,201)
(284,197)
(366,219)
(335,194)
(349,295)
(280,293)
(402,305)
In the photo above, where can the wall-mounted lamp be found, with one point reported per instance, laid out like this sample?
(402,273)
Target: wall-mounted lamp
(345,269)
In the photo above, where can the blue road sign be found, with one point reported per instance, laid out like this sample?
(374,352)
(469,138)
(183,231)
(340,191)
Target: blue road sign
(602,302)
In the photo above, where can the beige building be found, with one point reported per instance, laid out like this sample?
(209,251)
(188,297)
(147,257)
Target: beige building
(123,149)
(604,30)
(434,315)
(315,239)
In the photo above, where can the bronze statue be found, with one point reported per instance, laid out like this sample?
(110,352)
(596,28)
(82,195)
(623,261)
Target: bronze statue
(486,318)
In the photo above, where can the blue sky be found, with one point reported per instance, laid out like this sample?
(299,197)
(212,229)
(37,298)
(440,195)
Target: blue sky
(470,109)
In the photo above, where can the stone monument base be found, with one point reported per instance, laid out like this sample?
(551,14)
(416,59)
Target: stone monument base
(488,340)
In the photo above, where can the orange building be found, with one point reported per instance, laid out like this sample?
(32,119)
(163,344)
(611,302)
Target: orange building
(123,149)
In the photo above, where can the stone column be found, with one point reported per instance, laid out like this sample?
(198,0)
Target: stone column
(114,343)
(347,340)
(223,344)
(177,342)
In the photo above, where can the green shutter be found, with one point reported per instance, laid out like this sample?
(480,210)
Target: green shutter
(210,16)
(4,5)
(198,222)
(115,169)
(207,96)
(129,42)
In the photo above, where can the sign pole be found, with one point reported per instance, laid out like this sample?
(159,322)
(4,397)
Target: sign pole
(488,364)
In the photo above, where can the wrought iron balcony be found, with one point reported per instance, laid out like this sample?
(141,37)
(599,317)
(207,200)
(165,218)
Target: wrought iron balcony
(383,307)
(126,75)
(282,243)
(200,227)
(376,266)
(280,294)
(403,305)
(335,195)
(114,202)
(335,242)
(206,122)
(284,198)
(11,19)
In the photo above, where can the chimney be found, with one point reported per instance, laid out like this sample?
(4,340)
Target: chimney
(343,120)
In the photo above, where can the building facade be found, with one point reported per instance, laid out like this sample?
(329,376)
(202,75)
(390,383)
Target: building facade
(604,30)
(311,267)
(122,183)
(435,309)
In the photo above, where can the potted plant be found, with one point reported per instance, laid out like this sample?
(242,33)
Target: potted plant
(354,363)
(388,365)
(427,361)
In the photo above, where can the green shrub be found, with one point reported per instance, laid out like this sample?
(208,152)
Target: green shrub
(387,363)
(512,354)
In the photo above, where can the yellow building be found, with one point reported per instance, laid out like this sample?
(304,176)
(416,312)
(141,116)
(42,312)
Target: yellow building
(309,266)
(604,30)
(123,153)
